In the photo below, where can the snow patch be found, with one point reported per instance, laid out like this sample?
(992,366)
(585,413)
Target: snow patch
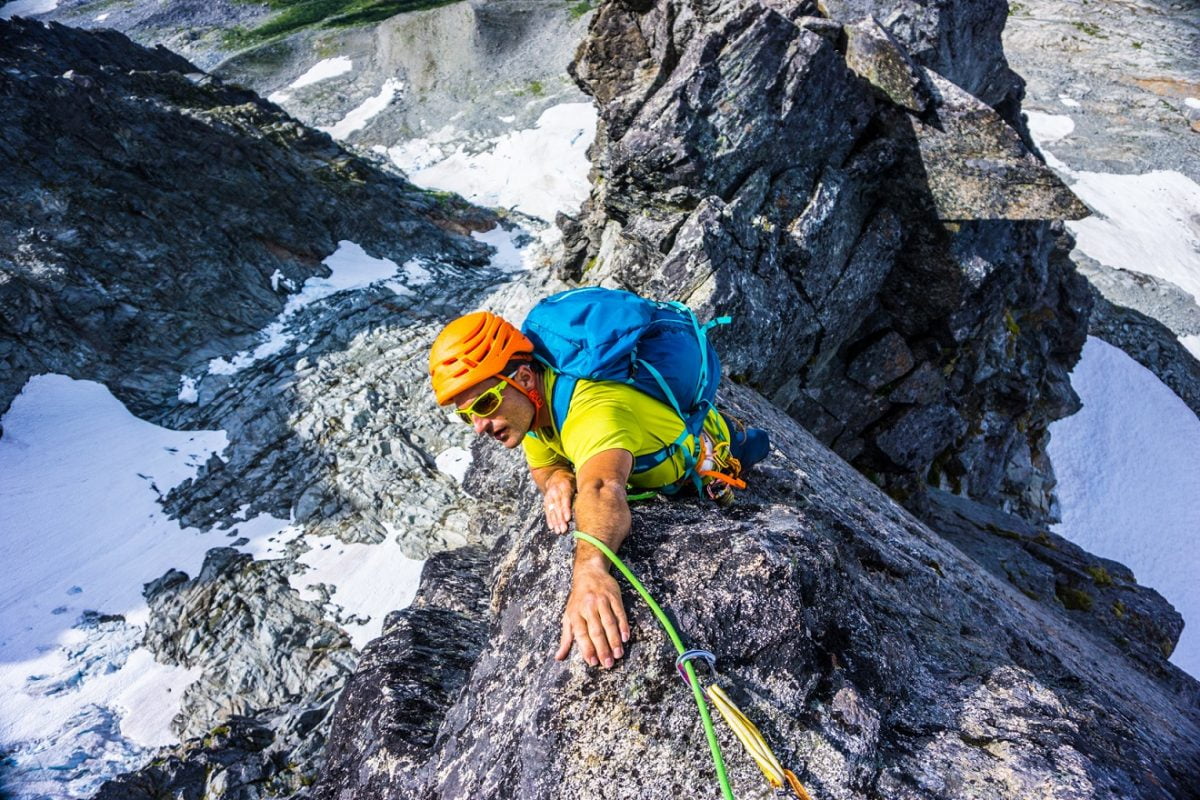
(415,155)
(360,116)
(1191,102)
(187,390)
(454,462)
(1049,127)
(1192,343)
(323,70)
(1128,479)
(367,581)
(539,171)
(351,268)
(1068,101)
(27,8)
(1146,223)
(509,256)
(102,17)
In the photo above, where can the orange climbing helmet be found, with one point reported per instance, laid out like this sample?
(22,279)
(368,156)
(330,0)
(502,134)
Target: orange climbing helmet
(471,349)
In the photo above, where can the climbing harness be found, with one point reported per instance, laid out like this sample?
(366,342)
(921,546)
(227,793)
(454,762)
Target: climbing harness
(750,737)
(717,464)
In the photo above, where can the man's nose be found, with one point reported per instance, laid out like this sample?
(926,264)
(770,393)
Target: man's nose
(480,424)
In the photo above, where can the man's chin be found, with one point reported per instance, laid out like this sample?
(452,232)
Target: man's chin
(507,439)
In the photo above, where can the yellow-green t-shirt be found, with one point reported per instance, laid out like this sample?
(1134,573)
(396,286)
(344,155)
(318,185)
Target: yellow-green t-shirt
(614,416)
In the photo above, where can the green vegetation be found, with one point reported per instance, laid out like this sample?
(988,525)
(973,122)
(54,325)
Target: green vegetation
(1118,609)
(1074,599)
(1100,575)
(1137,45)
(536,89)
(297,14)
(579,9)
(1010,322)
(1089,28)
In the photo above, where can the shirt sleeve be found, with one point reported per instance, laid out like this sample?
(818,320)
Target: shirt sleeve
(538,455)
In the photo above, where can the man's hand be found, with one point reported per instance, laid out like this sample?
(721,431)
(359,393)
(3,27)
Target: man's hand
(595,618)
(560,493)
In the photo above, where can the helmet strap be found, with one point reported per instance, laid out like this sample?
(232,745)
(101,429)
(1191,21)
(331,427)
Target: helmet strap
(533,395)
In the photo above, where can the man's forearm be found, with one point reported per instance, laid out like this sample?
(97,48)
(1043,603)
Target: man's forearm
(602,511)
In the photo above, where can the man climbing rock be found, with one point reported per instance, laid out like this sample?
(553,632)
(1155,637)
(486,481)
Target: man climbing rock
(586,440)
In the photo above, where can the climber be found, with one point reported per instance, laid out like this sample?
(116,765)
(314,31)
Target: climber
(486,368)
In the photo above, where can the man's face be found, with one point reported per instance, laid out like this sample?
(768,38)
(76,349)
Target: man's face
(509,423)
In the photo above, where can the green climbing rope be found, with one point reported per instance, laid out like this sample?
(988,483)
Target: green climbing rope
(697,692)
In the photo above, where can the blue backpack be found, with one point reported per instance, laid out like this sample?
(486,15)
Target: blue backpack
(612,335)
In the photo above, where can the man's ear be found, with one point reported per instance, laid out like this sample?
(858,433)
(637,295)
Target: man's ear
(526,376)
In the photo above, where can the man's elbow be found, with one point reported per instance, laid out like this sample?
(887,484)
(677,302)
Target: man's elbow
(602,489)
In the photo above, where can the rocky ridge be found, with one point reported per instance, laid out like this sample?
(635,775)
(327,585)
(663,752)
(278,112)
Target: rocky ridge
(854,185)
(693,199)
(467,72)
(878,658)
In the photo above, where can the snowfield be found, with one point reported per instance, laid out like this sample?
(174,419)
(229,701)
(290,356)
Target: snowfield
(81,480)
(1129,480)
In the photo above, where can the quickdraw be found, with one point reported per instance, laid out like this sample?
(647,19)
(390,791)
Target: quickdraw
(750,737)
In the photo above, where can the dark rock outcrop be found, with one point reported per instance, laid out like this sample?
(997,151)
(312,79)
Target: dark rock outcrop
(837,183)
(1149,342)
(875,655)
(149,205)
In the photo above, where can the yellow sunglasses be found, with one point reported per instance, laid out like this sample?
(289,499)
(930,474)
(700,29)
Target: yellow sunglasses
(486,404)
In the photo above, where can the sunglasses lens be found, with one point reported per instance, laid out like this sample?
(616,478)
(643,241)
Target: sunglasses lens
(488,402)
(464,415)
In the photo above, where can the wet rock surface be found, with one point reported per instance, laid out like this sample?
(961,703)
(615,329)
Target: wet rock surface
(839,176)
(876,656)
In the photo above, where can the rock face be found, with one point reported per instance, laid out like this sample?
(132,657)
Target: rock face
(844,181)
(878,658)
(156,216)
